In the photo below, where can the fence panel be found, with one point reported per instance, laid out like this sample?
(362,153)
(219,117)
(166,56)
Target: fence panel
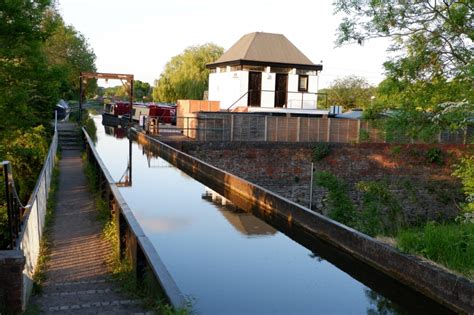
(249,127)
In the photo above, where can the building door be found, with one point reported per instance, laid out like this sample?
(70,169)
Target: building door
(255,88)
(281,89)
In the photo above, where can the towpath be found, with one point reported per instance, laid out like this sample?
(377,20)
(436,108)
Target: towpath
(77,277)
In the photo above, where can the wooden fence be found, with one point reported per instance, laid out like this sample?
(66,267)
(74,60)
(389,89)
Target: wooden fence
(220,126)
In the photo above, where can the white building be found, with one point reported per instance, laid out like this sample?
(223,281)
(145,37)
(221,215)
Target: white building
(265,72)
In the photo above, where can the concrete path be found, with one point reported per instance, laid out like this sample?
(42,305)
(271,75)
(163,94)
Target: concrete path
(77,279)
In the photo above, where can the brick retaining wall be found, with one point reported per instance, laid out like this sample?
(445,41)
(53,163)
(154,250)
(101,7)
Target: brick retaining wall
(12,263)
(426,191)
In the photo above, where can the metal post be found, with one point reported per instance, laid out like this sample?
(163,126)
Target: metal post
(9,201)
(311,187)
(55,121)
(130,159)
(131,102)
(80,98)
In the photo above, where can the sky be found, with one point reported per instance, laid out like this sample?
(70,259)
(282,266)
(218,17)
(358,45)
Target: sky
(140,36)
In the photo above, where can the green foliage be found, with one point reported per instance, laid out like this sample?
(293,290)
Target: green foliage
(451,245)
(435,155)
(185,75)
(142,92)
(437,36)
(26,150)
(68,53)
(350,92)
(40,58)
(381,214)
(410,124)
(465,171)
(340,205)
(364,135)
(435,63)
(320,151)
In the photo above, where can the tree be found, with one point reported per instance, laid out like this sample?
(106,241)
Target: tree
(34,74)
(141,91)
(185,75)
(68,52)
(435,41)
(350,92)
(28,91)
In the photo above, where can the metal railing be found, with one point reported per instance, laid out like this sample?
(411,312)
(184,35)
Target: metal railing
(18,214)
(288,102)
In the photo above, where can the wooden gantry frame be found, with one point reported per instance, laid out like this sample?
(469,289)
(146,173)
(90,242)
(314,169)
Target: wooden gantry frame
(85,76)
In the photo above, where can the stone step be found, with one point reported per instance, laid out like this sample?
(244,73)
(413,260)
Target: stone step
(98,307)
(71,147)
(88,299)
(75,286)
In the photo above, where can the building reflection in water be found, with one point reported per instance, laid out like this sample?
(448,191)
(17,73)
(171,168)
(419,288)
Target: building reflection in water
(244,222)
(118,132)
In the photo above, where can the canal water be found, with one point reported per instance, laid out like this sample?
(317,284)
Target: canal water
(226,261)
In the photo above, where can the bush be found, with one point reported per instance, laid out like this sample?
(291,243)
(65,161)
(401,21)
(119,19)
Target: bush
(465,171)
(320,151)
(435,155)
(340,206)
(381,211)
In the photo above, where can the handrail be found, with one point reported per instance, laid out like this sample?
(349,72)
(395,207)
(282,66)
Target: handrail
(274,91)
(17,211)
(228,108)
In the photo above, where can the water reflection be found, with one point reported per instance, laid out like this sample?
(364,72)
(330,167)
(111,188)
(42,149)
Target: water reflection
(242,221)
(118,132)
(381,305)
(248,266)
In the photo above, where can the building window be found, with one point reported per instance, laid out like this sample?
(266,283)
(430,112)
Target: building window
(303,83)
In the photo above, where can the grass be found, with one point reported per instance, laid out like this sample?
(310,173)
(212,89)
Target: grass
(449,244)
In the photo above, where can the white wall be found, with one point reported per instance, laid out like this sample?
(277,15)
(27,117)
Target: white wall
(228,87)
(268,84)
(297,99)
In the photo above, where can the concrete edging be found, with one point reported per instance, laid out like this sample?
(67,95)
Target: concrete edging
(162,275)
(449,289)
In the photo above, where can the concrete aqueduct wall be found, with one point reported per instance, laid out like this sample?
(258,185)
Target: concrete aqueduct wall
(455,292)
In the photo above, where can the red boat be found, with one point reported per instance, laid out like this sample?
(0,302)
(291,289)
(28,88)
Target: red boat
(166,113)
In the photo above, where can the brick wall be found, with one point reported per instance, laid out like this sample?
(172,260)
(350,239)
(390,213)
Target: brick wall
(11,274)
(426,191)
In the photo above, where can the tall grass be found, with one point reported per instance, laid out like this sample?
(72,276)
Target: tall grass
(450,244)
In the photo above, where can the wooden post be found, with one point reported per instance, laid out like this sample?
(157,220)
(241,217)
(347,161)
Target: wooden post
(298,122)
(329,130)
(266,128)
(231,127)
(358,130)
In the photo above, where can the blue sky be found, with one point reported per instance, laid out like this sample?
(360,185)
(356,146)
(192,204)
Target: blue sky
(140,36)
